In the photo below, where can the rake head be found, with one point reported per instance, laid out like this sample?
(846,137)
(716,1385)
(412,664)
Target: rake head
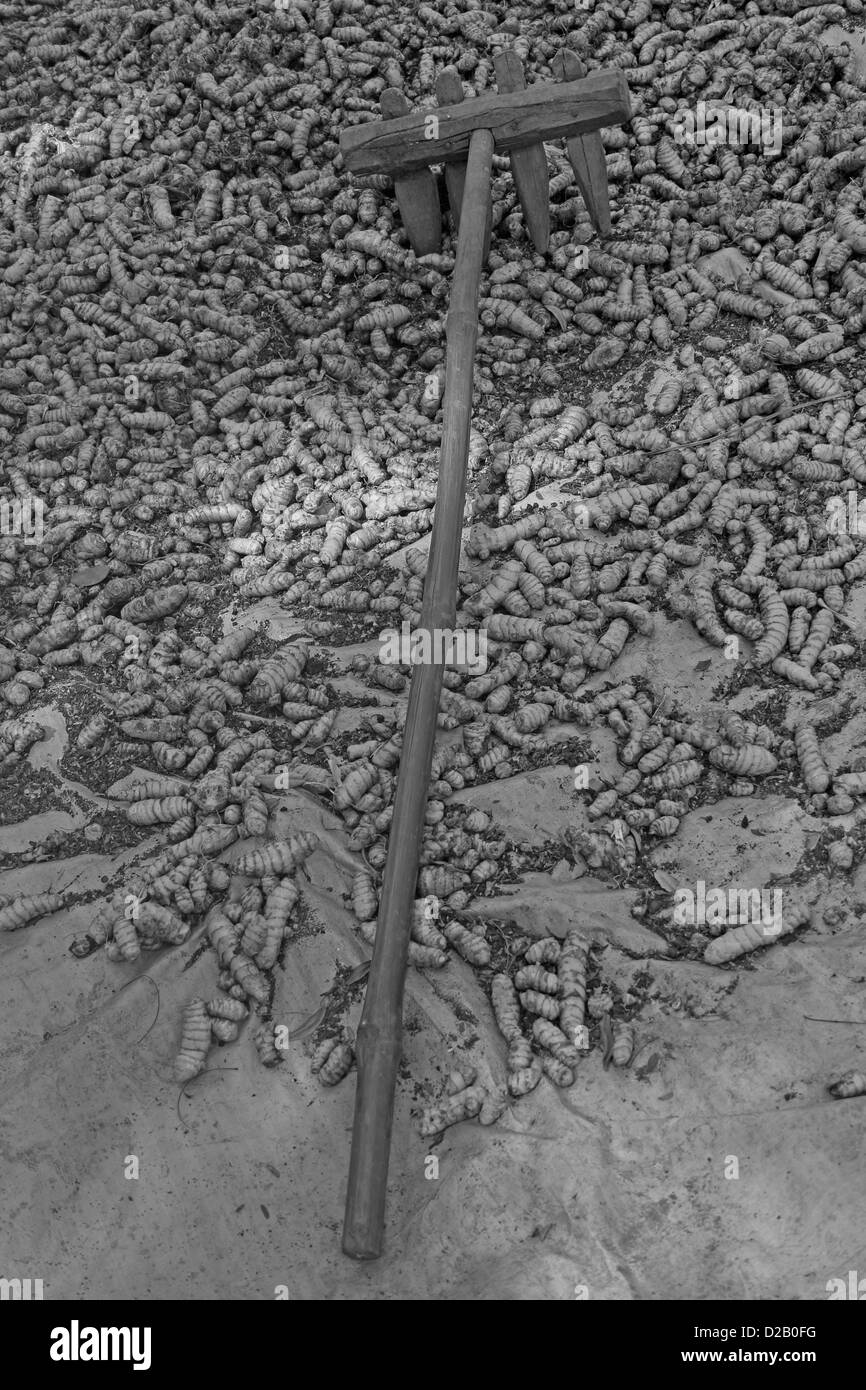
(406,143)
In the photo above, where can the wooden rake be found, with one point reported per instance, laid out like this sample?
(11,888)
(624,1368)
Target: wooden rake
(462,134)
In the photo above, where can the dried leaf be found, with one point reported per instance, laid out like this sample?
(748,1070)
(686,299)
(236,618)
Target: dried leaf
(606,1034)
(89,575)
(359,973)
(617,829)
(650,1066)
(310,1024)
(665,880)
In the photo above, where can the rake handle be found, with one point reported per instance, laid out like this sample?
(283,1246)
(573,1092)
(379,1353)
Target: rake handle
(380,1031)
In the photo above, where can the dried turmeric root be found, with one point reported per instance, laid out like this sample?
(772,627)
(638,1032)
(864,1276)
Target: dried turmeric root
(623,1044)
(544,952)
(571,970)
(460,1080)
(494,1106)
(468,944)
(194,1043)
(519,1054)
(265,1045)
(224,1030)
(554,1041)
(520,1083)
(571,967)
(534,1002)
(465,1105)
(424,931)
(536,977)
(332,1060)
(558,1072)
(506,1007)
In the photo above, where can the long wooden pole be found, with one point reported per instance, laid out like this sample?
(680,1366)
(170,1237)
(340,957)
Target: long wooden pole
(380,1032)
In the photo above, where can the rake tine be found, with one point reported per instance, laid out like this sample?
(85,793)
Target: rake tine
(528,165)
(416,194)
(586,152)
(449,91)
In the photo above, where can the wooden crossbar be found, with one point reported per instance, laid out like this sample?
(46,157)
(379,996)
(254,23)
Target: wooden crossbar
(543,111)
